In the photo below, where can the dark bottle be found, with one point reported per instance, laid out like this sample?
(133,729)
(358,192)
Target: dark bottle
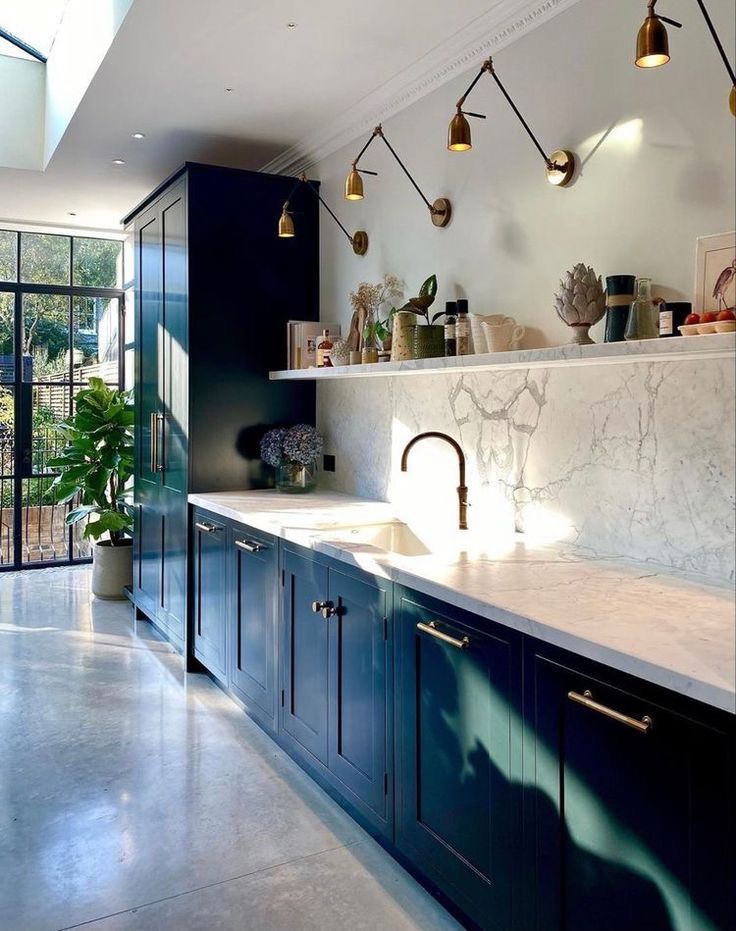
(450,343)
(672,315)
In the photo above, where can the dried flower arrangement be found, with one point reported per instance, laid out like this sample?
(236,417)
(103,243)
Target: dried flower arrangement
(299,445)
(366,326)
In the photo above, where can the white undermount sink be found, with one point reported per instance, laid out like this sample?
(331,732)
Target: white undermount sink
(395,537)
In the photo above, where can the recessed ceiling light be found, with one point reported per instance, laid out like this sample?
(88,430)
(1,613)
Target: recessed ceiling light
(70,214)
(291,25)
(138,135)
(118,161)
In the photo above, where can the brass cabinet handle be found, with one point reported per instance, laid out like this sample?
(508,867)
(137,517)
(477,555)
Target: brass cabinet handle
(160,421)
(153,427)
(155,422)
(586,700)
(249,546)
(325,608)
(206,528)
(432,630)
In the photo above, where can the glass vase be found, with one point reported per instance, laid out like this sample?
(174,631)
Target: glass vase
(643,320)
(296,479)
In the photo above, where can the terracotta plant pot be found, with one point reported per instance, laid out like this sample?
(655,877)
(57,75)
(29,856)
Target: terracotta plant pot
(112,569)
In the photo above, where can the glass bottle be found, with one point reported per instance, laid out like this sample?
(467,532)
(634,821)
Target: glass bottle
(462,328)
(643,321)
(450,346)
(324,351)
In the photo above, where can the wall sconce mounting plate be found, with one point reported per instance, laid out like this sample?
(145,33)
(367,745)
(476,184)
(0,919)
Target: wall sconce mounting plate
(563,168)
(360,242)
(441,212)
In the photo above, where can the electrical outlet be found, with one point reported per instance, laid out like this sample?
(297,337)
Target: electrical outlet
(328,463)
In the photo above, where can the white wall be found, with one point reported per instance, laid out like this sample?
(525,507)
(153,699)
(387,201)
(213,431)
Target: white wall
(85,35)
(22,88)
(637,460)
(657,153)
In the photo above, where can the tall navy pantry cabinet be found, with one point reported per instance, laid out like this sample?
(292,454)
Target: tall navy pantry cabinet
(214,288)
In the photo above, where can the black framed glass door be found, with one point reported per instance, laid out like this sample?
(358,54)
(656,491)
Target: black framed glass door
(53,338)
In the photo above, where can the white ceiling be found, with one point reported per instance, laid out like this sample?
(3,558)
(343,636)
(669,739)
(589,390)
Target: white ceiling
(166,73)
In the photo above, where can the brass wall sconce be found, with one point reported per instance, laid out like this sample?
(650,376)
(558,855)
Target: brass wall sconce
(652,44)
(559,165)
(440,210)
(287,230)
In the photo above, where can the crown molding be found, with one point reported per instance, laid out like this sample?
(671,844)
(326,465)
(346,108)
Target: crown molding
(506,22)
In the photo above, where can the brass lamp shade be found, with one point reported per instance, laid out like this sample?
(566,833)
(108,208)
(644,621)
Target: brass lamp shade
(652,45)
(286,225)
(354,186)
(458,134)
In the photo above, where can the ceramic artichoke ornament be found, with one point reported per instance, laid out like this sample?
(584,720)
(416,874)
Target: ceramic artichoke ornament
(581,302)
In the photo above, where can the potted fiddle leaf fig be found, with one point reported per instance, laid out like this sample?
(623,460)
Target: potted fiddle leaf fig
(94,468)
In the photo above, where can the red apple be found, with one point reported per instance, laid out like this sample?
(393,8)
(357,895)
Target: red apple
(692,318)
(726,314)
(708,317)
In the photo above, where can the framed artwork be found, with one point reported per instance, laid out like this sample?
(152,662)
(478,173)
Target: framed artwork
(715,273)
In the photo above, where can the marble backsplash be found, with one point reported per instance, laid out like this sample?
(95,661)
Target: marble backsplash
(636,459)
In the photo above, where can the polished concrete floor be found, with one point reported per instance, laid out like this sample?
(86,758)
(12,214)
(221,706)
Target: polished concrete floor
(135,797)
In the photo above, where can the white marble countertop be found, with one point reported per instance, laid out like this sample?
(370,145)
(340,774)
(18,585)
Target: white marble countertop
(665,627)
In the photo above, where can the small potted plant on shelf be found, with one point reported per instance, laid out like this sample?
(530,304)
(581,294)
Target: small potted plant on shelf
(94,467)
(428,339)
(293,452)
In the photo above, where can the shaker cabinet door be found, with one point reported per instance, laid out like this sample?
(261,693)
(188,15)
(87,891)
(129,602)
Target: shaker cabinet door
(633,815)
(305,699)
(254,562)
(358,753)
(458,791)
(210,592)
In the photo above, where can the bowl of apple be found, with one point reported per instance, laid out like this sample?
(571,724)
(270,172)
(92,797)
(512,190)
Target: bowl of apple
(722,321)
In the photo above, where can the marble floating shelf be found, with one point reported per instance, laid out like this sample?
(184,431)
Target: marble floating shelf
(680,349)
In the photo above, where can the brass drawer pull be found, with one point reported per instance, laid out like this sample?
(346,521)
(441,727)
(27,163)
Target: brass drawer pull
(249,546)
(153,441)
(431,629)
(586,700)
(155,424)
(206,528)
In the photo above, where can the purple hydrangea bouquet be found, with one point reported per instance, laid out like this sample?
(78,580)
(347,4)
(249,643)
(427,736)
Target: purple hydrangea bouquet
(293,452)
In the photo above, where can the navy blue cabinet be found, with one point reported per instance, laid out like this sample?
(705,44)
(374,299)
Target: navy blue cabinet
(210,600)
(306,638)
(336,680)
(359,673)
(630,800)
(458,755)
(252,622)
(203,352)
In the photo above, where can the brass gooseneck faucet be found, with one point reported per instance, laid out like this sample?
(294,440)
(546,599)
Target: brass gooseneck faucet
(462,490)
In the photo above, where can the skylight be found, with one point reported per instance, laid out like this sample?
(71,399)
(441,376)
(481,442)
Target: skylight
(34,22)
